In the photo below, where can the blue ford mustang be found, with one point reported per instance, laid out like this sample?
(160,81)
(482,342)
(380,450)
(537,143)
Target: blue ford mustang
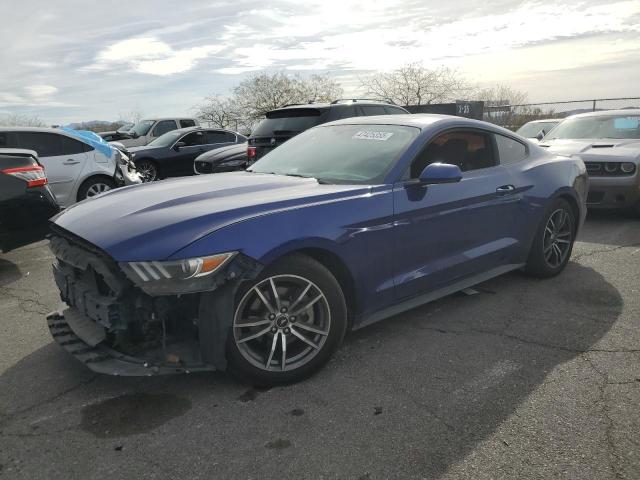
(262,271)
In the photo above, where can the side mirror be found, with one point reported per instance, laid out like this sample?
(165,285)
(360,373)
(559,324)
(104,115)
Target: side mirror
(540,135)
(134,135)
(440,173)
(179,145)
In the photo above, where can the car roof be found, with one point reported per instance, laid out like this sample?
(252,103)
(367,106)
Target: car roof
(159,119)
(611,113)
(542,120)
(419,120)
(325,105)
(18,151)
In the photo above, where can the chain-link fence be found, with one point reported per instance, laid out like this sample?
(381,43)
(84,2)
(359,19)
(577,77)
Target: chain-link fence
(514,116)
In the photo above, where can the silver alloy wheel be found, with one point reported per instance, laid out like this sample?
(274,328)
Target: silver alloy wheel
(282,323)
(147,171)
(97,189)
(556,242)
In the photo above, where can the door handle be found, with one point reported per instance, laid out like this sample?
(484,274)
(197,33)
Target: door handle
(71,162)
(505,189)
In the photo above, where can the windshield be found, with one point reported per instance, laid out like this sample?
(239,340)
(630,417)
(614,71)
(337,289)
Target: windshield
(143,127)
(360,154)
(531,129)
(288,122)
(166,139)
(609,126)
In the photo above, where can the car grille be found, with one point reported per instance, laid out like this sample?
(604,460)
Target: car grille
(606,169)
(204,167)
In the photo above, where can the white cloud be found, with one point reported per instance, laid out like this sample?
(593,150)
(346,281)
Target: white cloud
(374,40)
(40,90)
(151,56)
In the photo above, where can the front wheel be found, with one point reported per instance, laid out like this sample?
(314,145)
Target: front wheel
(553,241)
(287,323)
(148,170)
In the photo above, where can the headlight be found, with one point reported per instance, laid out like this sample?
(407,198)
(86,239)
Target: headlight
(610,167)
(176,276)
(628,167)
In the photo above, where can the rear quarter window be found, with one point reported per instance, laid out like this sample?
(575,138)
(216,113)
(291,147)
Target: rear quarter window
(394,111)
(45,144)
(509,150)
(369,110)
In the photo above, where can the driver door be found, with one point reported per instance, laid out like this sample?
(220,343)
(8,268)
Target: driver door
(182,162)
(448,232)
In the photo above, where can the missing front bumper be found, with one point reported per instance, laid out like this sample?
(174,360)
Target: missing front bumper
(99,357)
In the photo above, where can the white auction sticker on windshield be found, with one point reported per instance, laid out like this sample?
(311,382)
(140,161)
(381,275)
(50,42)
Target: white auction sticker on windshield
(370,135)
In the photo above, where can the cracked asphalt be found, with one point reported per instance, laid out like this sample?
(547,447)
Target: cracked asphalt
(526,379)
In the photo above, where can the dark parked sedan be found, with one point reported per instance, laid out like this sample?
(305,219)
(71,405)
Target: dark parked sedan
(225,159)
(172,154)
(26,203)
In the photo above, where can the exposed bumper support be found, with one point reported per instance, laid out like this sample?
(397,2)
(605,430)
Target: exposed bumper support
(102,359)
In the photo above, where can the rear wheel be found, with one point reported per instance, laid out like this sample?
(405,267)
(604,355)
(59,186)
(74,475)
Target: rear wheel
(287,323)
(95,186)
(553,241)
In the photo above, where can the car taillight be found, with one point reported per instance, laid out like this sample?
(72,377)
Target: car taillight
(34,175)
(251,153)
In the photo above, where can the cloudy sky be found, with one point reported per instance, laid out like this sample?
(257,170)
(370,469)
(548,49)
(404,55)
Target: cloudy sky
(70,61)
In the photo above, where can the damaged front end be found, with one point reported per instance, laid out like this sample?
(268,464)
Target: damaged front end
(117,323)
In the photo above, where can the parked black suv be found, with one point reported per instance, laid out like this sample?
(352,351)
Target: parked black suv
(284,123)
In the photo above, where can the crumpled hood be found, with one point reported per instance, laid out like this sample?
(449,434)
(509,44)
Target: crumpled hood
(154,220)
(597,149)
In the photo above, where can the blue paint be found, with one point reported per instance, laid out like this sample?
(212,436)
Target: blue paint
(93,139)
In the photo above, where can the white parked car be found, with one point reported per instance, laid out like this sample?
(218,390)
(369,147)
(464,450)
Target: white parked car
(78,166)
(149,129)
(537,129)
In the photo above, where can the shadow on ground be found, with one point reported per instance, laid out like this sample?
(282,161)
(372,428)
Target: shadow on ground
(407,397)
(9,272)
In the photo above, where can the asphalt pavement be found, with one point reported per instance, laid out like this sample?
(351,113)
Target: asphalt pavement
(525,379)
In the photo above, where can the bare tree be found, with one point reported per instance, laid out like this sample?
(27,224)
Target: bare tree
(503,105)
(414,84)
(261,93)
(500,95)
(20,120)
(321,88)
(218,111)
(264,92)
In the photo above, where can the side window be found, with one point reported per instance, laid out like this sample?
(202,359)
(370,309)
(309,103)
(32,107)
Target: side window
(187,123)
(45,144)
(193,139)
(69,146)
(344,112)
(368,110)
(217,136)
(395,111)
(163,127)
(468,149)
(509,150)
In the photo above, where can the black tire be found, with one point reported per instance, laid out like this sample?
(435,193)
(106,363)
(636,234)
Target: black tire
(290,268)
(94,186)
(544,261)
(148,170)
